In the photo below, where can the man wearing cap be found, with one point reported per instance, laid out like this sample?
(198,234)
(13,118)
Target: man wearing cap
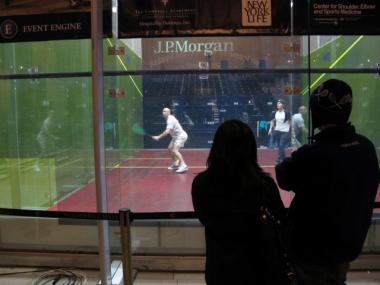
(335,180)
(279,128)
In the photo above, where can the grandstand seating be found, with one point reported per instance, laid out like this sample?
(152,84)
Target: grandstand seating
(207,100)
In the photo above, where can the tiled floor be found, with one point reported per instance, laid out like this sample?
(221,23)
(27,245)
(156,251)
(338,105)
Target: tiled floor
(354,278)
(26,276)
(169,278)
(19,277)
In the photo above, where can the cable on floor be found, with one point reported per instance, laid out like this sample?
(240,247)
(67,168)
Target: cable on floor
(61,277)
(21,272)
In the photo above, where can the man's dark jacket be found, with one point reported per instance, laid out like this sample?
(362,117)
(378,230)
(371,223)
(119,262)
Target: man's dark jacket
(335,180)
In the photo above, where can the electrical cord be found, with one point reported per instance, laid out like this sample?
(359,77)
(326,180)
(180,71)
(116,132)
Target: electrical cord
(61,277)
(21,272)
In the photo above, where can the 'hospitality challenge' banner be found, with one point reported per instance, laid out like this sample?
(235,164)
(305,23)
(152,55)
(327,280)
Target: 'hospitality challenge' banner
(163,18)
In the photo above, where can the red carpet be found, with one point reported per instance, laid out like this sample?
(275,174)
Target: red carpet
(144,185)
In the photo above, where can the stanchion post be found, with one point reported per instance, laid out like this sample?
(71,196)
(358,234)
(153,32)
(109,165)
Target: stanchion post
(125,230)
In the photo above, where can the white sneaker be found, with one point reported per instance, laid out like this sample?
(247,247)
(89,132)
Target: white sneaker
(173,166)
(183,168)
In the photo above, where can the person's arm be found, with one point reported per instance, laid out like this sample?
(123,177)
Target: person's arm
(302,125)
(290,171)
(305,130)
(271,126)
(285,174)
(163,134)
(274,199)
(293,128)
(200,199)
(213,211)
(288,119)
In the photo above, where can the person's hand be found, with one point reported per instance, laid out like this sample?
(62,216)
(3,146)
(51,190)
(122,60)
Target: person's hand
(293,141)
(270,132)
(156,138)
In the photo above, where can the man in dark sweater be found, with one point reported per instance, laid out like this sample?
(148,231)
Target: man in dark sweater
(335,180)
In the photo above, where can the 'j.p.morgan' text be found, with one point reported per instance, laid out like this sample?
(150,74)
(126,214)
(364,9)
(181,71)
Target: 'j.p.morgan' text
(208,48)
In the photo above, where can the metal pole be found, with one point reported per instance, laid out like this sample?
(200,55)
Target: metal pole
(310,125)
(125,230)
(98,115)
(292,58)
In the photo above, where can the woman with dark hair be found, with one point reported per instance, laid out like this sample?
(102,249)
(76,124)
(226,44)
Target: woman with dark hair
(227,198)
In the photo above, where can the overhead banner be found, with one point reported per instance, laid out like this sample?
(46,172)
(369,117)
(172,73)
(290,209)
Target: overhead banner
(37,20)
(165,18)
(334,17)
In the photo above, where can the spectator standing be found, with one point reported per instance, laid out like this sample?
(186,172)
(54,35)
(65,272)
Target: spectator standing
(298,126)
(335,180)
(227,198)
(280,129)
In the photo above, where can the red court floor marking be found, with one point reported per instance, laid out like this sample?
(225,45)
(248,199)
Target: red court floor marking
(143,184)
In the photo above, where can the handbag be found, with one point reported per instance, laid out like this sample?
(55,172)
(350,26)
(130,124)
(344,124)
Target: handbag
(279,268)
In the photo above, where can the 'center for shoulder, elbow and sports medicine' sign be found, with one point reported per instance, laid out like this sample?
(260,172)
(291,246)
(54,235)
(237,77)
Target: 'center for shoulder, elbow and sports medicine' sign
(337,17)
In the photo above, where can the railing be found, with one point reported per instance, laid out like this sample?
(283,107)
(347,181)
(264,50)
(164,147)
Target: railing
(124,217)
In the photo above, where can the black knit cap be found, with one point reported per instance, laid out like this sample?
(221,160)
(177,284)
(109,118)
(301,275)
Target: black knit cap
(282,101)
(331,103)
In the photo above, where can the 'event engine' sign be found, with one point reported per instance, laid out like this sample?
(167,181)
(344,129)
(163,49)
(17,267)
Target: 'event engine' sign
(54,20)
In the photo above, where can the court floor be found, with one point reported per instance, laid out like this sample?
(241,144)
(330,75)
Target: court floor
(143,183)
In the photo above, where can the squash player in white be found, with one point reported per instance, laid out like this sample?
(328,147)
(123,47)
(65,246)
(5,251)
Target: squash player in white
(179,137)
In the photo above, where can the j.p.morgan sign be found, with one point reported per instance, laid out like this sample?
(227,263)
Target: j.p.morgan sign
(187,46)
